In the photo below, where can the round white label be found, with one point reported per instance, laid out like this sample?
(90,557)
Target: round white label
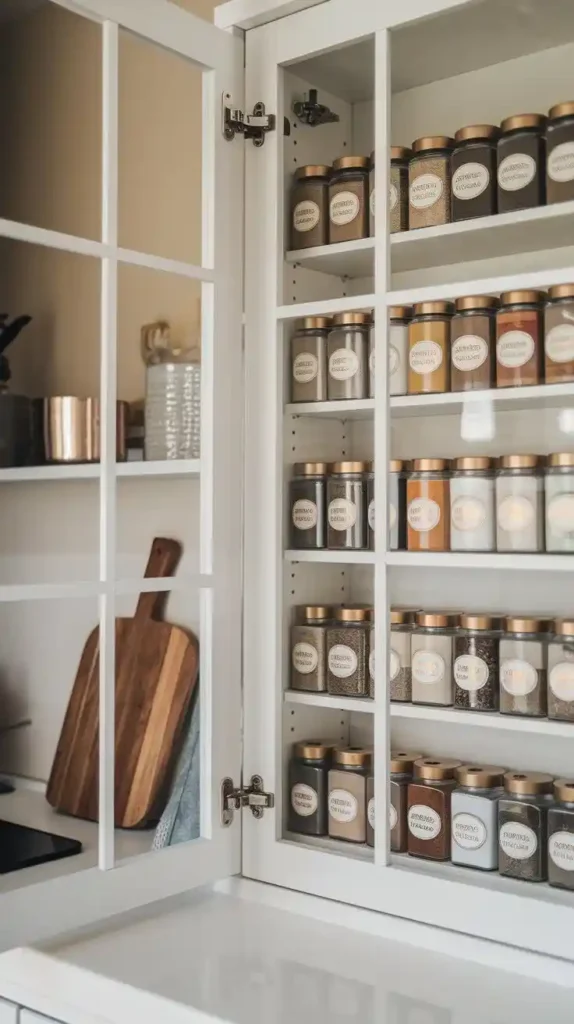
(304,800)
(372,664)
(516,171)
(371,812)
(468,831)
(372,202)
(394,360)
(470,672)
(559,343)
(304,658)
(304,514)
(561,850)
(343,806)
(305,367)
(561,681)
(393,197)
(343,364)
(394,665)
(518,677)
(514,349)
(342,514)
(561,514)
(393,817)
(560,163)
(306,216)
(425,191)
(467,513)
(469,352)
(423,514)
(342,661)
(470,180)
(371,514)
(425,357)
(428,667)
(343,208)
(372,361)
(517,841)
(515,513)
(424,822)
(392,516)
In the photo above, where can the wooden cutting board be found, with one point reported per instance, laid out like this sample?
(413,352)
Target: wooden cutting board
(156,672)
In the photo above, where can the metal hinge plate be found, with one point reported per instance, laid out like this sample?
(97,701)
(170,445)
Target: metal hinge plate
(252,126)
(252,796)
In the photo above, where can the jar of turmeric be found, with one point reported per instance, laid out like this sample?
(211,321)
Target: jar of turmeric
(429,348)
(428,506)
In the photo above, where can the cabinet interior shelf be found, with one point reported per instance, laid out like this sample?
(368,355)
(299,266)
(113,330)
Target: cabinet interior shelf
(174,468)
(479,560)
(349,409)
(326,700)
(333,557)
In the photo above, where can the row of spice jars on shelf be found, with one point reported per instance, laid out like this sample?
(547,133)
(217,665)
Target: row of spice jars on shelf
(331,505)
(332,650)
(332,204)
(332,359)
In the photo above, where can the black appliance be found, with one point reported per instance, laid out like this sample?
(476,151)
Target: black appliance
(23,847)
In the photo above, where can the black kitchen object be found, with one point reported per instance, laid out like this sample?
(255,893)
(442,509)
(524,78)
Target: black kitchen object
(16,411)
(23,847)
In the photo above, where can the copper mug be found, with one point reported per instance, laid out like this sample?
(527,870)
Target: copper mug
(71,429)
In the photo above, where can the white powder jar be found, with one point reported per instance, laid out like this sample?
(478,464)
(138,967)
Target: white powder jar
(399,317)
(559,491)
(472,514)
(431,659)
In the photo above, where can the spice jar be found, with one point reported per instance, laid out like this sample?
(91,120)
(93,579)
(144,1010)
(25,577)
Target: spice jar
(400,676)
(523,825)
(401,769)
(307,505)
(429,808)
(347,506)
(347,652)
(519,504)
(560,153)
(472,518)
(428,506)
(518,339)
(372,354)
(473,167)
(522,163)
(561,836)
(559,491)
(309,206)
(474,806)
(371,657)
(348,794)
(473,343)
(309,648)
(431,658)
(429,344)
(399,317)
(308,787)
(371,507)
(429,182)
(372,197)
(399,189)
(523,658)
(348,199)
(347,352)
(397,484)
(561,671)
(309,360)
(559,334)
(476,669)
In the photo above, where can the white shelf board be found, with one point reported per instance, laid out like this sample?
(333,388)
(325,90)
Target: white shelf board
(327,307)
(325,700)
(502,562)
(484,720)
(358,851)
(342,259)
(164,467)
(541,396)
(91,471)
(350,409)
(536,279)
(334,557)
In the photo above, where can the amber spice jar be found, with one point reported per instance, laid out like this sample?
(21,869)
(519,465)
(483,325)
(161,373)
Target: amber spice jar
(429,348)
(519,349)
(428,506)
(559,334)
(429,813)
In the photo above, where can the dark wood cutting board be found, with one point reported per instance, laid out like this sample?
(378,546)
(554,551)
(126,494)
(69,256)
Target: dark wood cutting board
(156,672)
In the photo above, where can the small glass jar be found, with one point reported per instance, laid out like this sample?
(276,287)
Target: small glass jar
(372,351)
(560,153)
(399,189)
(429,808)
(474,808)
(399,319)
(348,358)
(309,648)
(397,505)
(371,657)
(559,493)
(401,772)
(349,199)
(523,658)
(522,163)
(307,500)
(473,343)
(348,794)
(561,671)
(431,658)
(309,360)
(561,836)
(476,665)
(473,167)
(559,333)
(519,504)
(347,506)
(430,182)
(428,506)
(309,206)
(308,787)
(371,506)
(372,197)
(523,826)
(472,516)
(519,347)
(348,652)
(400,673)
(429,348)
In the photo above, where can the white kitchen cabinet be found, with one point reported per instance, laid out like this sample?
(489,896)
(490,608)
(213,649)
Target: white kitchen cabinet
(8,1013)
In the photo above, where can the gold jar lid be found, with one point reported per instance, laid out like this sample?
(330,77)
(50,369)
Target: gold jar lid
(353,757)
(563,627)
(522,297)
(517,624)
(400,312)
(314,323)
(315,611)
(401,153)
(433,768)
(342,319)
(562,109)
(436,620)
(484,776)
(561,459)
(312,750)
(527,783)
(468,302)
(428,142)
(347,162)
(427,308)
(564,790)
(473,462)
(313,171)
(402,761)
(349,467)
(310,469)
(354,613)
(396,465)
(510,124)
(519,461)
(402,615)
(425,465)
(477,131)
(476,621)
(561,291)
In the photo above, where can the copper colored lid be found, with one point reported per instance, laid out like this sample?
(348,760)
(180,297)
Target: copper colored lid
(357,614)
(563,627)
(480,776)
(402,615)
(401,153)
(310,469)
(475,621)
(309,323)
(432,142)
(477,131)
(473,462)
(402,761)
(424,308)
(523,625)
(345,162)
(396,465)
(519,461)
(316,611)
(400,312)
(521,297)
(523,121)
(313,171)
(432,768)
(564,788)
(351,318)
(527,783)
(435,619)
(562,109)
(476,302)
(349,467)
(561,291)
(428,464)
(561,459)
(312,750)
(356,757)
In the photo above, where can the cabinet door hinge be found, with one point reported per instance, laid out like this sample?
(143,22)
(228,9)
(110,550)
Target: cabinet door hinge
(252,796)
(252,126)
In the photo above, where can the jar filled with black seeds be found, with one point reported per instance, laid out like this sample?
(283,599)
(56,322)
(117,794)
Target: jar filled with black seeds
(561,671)
(308,787)
(348,652)
(523,826)
(523,660)
(309,648)
(347,505)
(475,667)
(398,190)
(307,505)
(400,673)
(561,836)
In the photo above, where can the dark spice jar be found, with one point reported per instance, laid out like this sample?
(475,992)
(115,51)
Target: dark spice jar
(561,671)
(348,652)
(309,206)
(560,153)
(522,163)
(475,667)
(523,825)
(429,181)
(347,506)
(399,189)
(307,503)
(519,348)
(429,808)
(473,167)
(401,767)
(349,199)
(561,836)
(473,343)
(309,360)
(559,334)
(308,785)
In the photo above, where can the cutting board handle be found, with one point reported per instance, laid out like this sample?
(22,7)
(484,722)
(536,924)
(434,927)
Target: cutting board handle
(163,561)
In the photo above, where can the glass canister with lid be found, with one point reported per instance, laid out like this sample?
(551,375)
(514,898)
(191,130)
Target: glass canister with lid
(561,835)
(560,153)
(399,319)
(309,648)
(399,189)
(476,668)
(348,652)
(430,182)
(474,808)
(349,199)
(400,674)
(519,331)
(347,505)
(401,771)
(431,658)
(519,504)
(309,360)
(309,206)
(429,348)
(473,343)
(522,163)
(561,671)
(523,825)
(307,505)
(428,506)
(397,505)
(348,794)
(472,516)
(429,808)
(559,490)
(473,166)
(559,334)
(308,782)
(348,356)
(523,660)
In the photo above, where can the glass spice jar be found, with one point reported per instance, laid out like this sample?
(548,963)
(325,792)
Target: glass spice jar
(559,493)
(519,504)
(560,153)
(522,163)
(400,673)
(473,343)
(309,360)
(519,350)
(397,484)
(309,648)
(429,348)
(428,506)
(348,199)
(430,182)
(401,773)
(309,206)
(473,168)
(348,794)
(399,318)
(523,659)
(372,197)
(561,671)
(429,808)
(561,835)
(559,334)
(307,496)
(372,355)
(431,658)
(308,787)
(347,506)
(523,825)
(347,353)
(347,652)
(399,189)
(371,658)
(472,517)
(474,806)
(370,476)
(476,668)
